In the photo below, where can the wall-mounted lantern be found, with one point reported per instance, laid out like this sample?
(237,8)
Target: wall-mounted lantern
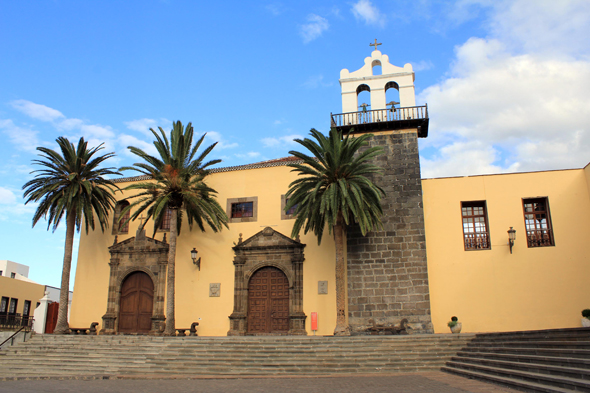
(196,261)
(511,238)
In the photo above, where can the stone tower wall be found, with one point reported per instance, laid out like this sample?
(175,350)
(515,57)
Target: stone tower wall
(387,270)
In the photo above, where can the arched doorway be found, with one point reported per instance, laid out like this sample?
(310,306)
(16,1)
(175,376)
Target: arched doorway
(268,302)
(137,301)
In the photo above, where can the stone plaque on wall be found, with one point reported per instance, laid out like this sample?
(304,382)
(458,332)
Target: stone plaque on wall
(322,287)
(214,290)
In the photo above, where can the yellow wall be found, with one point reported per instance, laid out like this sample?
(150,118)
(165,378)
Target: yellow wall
(21,290)
(489,290)
(493,290)
(192,286)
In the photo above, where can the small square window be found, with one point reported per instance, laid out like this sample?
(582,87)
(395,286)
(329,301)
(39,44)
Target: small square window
(476,235)
(242,209)
(12,275)
(289,214)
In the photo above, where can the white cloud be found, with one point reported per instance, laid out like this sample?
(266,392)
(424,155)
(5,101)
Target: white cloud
(315,81)
(144,125)
(97,131)
(130,140)
(214,136)
(250,154)
(287,140)
(422,65)
(22,138)
(275,9)
(36,111)
(314,28)
(554,28)
(70,124)
(6,196)
(508,104)
(366,12)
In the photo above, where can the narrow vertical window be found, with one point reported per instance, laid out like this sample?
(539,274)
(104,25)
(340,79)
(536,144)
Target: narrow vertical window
(476,235)
(12,307)
(537,221)
(120,224)
(4,305)
(165,223)
(26,308)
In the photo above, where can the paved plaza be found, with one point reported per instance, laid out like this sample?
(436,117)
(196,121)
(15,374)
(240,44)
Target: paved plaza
(435,382)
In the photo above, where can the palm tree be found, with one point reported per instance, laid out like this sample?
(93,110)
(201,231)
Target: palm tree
(335,191)
(71,184)
(178,185)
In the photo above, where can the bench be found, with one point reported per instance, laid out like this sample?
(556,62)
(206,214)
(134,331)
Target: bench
(91,331)
(192,330)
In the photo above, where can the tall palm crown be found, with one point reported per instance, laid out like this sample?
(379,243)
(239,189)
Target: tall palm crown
(335,190)
(177,184)
(71,184)
(178,181)
(334,185)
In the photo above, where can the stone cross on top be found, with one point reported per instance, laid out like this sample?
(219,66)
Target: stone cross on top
(375,44)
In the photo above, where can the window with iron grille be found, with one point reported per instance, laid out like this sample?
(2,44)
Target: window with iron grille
(4,305)
(12,307)
(242,209)
(537,221)
(26,308)
(121,226)
(165,223)
(476,234)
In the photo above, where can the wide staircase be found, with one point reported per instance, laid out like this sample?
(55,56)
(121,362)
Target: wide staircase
(116,356)
(538,361)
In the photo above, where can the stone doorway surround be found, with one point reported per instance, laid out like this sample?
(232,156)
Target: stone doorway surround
(268,248)
(136,254)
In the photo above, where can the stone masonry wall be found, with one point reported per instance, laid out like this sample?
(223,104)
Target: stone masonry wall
(387,271)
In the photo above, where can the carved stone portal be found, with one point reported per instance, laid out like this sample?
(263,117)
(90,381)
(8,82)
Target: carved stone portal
(268,248)
(137,254)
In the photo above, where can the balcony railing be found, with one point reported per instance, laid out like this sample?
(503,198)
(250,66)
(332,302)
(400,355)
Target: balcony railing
(539,237)
(477,241)
(12,321)
(379,115)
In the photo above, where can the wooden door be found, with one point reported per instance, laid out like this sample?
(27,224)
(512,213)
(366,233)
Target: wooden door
(51,317)
(268,302)
(137,300)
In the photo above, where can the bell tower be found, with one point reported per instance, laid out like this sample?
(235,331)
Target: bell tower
(387,275)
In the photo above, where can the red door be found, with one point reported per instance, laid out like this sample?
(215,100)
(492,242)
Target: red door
(137,299)
(51,318)
(268,302)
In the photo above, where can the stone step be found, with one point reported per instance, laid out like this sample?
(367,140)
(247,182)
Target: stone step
(550,334)
(570,372)
(81,356)
(515,383)
(532,343)
(535,377)
(548,352)
(549,360)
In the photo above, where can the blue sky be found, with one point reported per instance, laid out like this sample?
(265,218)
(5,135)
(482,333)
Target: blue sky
(507,83)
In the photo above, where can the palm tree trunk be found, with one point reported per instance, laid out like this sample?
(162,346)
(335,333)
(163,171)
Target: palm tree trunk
(342,328)
(171,277)
(62,326)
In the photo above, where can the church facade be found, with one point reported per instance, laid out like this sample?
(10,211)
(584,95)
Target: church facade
(444,249)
